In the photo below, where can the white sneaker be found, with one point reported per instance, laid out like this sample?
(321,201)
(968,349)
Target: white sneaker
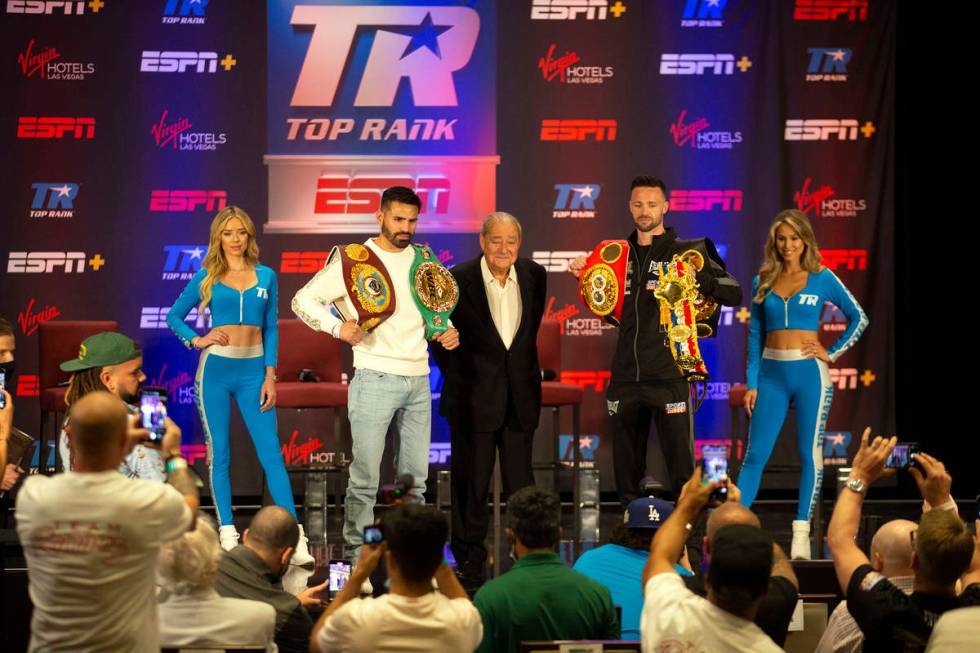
(800,547)
(302,555)
(228,536)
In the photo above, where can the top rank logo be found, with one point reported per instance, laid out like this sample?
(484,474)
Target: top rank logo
(155,61)
(574,9)
(425,44)
(48,7)
(852,10)
(185,12)
(53,200)
(703,13)
(575,200)
(828,64)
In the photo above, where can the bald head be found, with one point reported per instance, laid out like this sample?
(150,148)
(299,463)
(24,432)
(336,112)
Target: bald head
(891,548)
(729,514)
(273,529)
(97,425)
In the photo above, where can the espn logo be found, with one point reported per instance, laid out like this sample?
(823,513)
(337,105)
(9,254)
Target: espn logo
(302,262)
(48,7)
(155,61)
(706,200)
(854,10)
(188,200)
(46,262)
(345,195)
(597,379)
(578,130)
(822,129)
(55,127)
(699,64)
(556,261)
(851,259)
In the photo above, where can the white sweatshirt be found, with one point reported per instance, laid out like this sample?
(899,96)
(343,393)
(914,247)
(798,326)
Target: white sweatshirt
(397,345)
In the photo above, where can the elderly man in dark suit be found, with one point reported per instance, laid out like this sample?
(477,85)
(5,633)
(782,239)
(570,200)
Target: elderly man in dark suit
(492,390)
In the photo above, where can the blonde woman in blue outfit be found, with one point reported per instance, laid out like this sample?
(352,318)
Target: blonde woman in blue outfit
(238,360)
(786,361)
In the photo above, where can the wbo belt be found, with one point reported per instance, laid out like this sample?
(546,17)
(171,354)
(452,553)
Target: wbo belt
(681,307)
(603,280)
(435,290)
(368,285)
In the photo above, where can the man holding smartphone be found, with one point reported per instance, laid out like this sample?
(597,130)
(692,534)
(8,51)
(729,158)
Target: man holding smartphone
(10,472)
(411,616)
(112,362)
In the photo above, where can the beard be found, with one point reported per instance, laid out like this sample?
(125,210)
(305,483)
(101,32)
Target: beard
(401,242)
(131,399)
(653,224)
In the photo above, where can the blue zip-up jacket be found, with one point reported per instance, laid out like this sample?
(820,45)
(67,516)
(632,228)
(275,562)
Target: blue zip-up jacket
(257,305)
(802,311)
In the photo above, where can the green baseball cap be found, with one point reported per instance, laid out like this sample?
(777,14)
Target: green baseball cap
(102,349)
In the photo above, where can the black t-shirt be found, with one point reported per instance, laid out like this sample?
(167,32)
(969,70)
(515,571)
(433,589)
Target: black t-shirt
(890,618)
(775,611)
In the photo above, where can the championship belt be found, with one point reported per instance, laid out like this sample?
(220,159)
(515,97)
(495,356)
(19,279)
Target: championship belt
(368,285)
(680,306)
(435,291)
(603,280)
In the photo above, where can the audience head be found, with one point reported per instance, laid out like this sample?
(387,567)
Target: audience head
(189,564)
(891,548)
(6,342)
(273,535)
(943,548)
(534,514)
(416,535)
(740,566)
(97,429)
(641,520)
(106,361)
(727,514)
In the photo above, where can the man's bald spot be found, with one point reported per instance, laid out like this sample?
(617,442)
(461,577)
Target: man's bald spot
(730,513)
(97,424)
(273,528)
(894,544)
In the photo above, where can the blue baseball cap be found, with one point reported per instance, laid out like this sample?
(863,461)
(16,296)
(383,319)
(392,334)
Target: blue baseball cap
(647,512)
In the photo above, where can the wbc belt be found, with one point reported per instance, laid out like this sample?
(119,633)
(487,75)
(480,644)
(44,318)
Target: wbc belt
(367,283)
(680,302)
(434,289)
(603,280)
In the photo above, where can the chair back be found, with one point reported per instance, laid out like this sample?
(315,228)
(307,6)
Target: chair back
(300,347)
(549,346)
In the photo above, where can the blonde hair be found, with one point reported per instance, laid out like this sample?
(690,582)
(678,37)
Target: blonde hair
(772,262)
(215,262)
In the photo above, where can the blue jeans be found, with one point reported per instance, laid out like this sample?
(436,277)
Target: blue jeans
(374,400)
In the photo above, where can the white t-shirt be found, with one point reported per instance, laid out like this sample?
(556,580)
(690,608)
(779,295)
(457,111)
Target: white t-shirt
(956,631)
(208,619)
(676,619)
(394,623)
(91,542)
(397,345)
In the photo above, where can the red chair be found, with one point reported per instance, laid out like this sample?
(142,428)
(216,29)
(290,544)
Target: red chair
(302,348)
(555,395)
(58,341)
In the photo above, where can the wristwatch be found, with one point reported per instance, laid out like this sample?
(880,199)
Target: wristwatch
(856,485)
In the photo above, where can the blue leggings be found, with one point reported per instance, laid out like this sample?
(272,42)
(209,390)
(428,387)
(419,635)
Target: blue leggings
(225,372)
(786,376)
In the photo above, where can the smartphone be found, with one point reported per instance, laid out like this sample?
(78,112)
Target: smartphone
(714,459)
(373,535)
(3,385)
(447,555)
(903,455)
(339,574)
(153,408)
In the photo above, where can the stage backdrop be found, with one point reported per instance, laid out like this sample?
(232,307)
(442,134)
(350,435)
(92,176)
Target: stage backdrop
(128,125)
